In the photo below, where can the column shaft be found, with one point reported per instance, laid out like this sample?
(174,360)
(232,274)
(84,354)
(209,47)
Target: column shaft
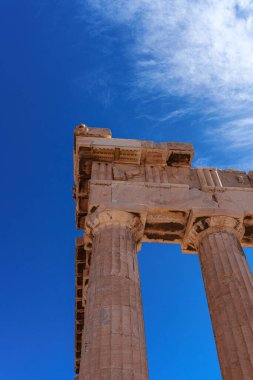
(229,289)
(114,339)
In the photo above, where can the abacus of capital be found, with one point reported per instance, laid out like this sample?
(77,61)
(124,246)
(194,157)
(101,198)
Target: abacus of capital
(131,191)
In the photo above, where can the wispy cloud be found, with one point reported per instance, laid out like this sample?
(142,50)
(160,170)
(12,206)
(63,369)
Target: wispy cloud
(168,117)
(191,48)
(231,144)
(239,133)
(198,49)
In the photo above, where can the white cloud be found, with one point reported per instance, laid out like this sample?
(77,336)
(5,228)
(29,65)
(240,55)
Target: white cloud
(237,151)
(197,48)
(238,133)
(179,113)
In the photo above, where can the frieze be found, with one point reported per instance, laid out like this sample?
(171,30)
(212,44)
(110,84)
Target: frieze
(157,178)
(212,179)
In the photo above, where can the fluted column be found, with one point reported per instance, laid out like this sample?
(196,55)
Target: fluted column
(114,340)
(229,289)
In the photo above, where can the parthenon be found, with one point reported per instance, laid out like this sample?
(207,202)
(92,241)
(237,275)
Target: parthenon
(132,191)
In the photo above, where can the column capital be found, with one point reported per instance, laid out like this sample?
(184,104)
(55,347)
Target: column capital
(102,218)
(203,223)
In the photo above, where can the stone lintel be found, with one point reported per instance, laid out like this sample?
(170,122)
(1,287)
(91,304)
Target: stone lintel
(202,222)
(168,207)
(138,176)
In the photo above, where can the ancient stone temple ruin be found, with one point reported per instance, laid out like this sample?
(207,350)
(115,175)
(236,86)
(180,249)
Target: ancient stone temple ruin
(131,191)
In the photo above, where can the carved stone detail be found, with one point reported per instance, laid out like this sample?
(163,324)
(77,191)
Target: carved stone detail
(125,173)
(209,179)
(250,175)
(248,224)
(199,226)
(133,173)
(212,179)
(124,185)
(113,342)
(118,174)
(103,218)
(84,130)
(101,171)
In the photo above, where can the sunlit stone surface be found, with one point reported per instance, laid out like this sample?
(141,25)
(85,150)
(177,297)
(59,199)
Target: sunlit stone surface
(131,191)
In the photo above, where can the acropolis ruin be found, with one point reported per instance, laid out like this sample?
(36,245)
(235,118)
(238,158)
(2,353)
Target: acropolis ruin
(132,191)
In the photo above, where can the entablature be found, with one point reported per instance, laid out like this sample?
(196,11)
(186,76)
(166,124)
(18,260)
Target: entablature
(156,178)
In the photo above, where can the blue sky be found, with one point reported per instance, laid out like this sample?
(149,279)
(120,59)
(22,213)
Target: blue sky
(164,71)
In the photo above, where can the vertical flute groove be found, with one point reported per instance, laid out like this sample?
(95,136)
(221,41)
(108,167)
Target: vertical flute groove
(242,306)
(222,356)
(229,288)
(231,314)
(114,322)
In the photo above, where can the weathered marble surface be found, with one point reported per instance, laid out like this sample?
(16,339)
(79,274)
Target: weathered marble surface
(131,191)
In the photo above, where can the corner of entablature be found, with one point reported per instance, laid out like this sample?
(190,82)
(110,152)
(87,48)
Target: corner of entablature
(202,222)
(103,217)
(84,130)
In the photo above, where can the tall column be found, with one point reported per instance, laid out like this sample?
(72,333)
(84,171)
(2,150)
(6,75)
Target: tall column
(113,346)
(229,289)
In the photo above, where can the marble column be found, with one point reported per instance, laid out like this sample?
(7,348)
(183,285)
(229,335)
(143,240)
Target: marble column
(113,345)
(229,289)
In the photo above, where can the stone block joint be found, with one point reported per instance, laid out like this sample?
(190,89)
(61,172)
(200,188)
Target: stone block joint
(132,191)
